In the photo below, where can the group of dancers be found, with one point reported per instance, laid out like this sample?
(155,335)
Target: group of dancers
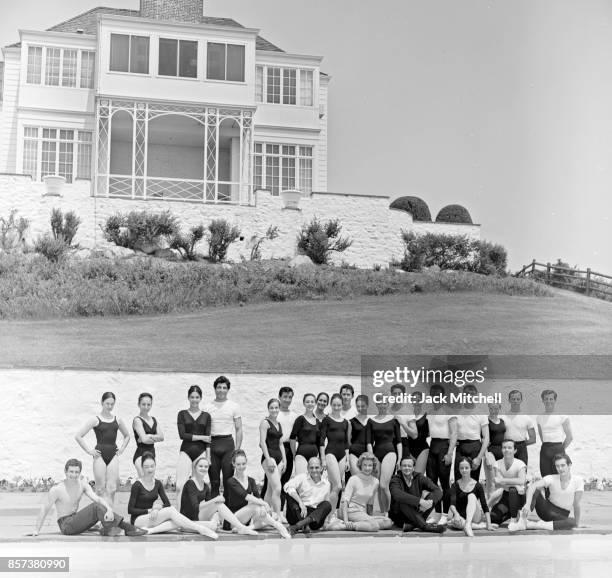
(335,466)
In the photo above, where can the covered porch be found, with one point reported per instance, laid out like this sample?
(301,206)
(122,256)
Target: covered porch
(148,150)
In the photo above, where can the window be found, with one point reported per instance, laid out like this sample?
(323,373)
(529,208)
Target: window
(178,58)
(284,85)
(282,167)
(34,64)
(52,66)
(129,54)
(88,65)
(51,151)
(69,68)
(225,62)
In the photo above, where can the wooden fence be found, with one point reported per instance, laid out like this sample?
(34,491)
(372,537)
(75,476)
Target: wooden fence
(586,281)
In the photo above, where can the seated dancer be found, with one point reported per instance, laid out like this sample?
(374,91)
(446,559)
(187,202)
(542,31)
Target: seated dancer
(146,431)
(413,497)
(565,493)
(465,495)
(66,496)
(198,505)
(519,427)
(146,514)
(509,475)
(555,432)
(358,499)
(243,499)
(308,499)
(305,437)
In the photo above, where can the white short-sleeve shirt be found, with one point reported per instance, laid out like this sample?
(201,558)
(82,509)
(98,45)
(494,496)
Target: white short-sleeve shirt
(518,426)
(512,472)
(552,427)
(286,420)
(222,416)
(469,427)
(438,425)
(563,498)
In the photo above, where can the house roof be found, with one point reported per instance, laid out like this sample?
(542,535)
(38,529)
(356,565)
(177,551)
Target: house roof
(87,22)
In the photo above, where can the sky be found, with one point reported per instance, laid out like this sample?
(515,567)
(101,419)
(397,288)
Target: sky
(503,107)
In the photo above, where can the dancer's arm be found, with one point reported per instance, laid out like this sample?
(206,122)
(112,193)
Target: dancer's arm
(531,490)
(49,502)
(452,426)
(238,426)
(567,428)
(90,424)
(125,432)
(144,438)
(264,426)
(484,432)
(577,510)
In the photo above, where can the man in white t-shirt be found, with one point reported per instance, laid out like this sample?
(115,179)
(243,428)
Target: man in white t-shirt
(510,475)
(472,436)
(565,492)
(286,417)
(348,410)
(520,428)
(225,420)
(555,432)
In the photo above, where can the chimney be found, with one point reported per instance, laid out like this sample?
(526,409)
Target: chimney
(178,10)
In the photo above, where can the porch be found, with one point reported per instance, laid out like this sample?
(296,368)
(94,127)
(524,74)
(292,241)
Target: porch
(148,150)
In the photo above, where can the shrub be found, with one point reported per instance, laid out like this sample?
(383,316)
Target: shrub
(318,240)
(186,243)
(492,259)
(454,214)
(221,236)
(52,248)
(271,234)
(139,228)
(415,206)
(64,227)
(12,231)
(446,251)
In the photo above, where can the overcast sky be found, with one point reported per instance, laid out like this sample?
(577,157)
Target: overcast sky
(501,106)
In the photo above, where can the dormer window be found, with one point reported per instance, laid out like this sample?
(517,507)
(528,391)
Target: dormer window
(178,58)
(225,62)
(129,54)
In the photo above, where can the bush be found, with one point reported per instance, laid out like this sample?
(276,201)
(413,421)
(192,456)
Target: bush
(185,244)
(455,252)
(12,231)
(318,240)
(492,259)
(415,206)
(221,236)
(271,234)
(140,228)
(64,227)
(52,248)
(454,214)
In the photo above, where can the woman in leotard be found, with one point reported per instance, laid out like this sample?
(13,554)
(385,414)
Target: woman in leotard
(194,429)
(403,414)
(243,499)
(146,431)
(358,498)
(497,434)
(198,505)
(305,436)
(419,448)
(106,453)
(322,403)
(336,431)
(359,433)
(465,496)
(147,514)
(386,445)
(273,459)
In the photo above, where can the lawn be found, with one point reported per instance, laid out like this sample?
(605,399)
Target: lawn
(323,337)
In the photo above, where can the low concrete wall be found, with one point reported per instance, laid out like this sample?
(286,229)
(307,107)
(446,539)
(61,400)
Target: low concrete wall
(367,220)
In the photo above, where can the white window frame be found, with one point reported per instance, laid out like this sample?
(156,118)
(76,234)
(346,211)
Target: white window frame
(129,71)
(225,79)
(42,78)
(300,160)
(261,92)
(178,58)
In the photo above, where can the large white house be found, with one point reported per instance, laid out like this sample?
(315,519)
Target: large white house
(163,103)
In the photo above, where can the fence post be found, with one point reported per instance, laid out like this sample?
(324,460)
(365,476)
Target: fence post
(533,268)
(548,273)
(588,281)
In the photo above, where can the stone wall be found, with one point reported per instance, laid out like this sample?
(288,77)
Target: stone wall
(180,10)
(367,220)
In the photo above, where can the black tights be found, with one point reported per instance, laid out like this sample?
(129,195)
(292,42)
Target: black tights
(508,506)
(437,470)
(221,449)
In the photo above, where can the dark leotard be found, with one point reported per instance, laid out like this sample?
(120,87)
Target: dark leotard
(191,498)
(235,496)
(141,448)
(142,500)
(106,436)
(273,437)
(459,498)
(384,437)
(188,427)
(420,444)
(360,437)
(336,434)
(497,433)
(308,437)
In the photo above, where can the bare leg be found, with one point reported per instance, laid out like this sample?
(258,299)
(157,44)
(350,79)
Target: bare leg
(274,489)
(421,462)
(300,465)
(138,466)
(99,471)
(470,511)
(495,497)
(112,477)
(162,528)
(387,468)
(183,471)
(333,474)
(353,464)
(180,521)
(207,510)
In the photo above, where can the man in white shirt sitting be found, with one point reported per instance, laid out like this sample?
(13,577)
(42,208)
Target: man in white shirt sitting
(308,499)
(554,512)
(510,476)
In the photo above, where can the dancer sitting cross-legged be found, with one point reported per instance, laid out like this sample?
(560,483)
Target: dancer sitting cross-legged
(565,494)
(509,475)
(145,512)
(198,505)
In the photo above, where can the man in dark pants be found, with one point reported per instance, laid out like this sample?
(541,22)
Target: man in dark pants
(308,499)
(286,417)
(66,496)
(510,476)
(413,497)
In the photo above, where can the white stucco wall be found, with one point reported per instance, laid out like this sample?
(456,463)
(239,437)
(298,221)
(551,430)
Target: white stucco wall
(367,220)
